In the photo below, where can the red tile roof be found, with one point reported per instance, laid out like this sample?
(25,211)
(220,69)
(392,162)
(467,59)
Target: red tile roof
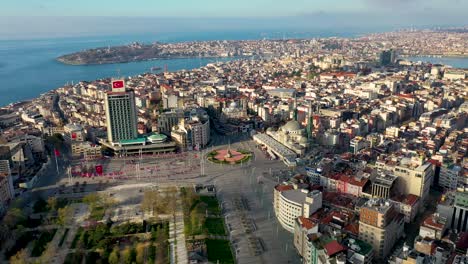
(353,181)
(409,96)
(282,188)
(339,74)
(411,199)
(435,162)
(431,222)
(306,223)
(352,228)
(334,247)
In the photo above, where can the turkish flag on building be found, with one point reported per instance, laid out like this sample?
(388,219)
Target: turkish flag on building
(118,84)
(56,152)
(99,169)
(73,135)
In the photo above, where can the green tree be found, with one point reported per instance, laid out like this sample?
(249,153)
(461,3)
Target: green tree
(64,215)
(114,257)
(194,223)
(189,198)
(83,240)
(129,255)
(19,258)
(151,202)
(140,253)
(152,253)
(40,206)
(56,140)
(91,199)
(13,217)
(52,203)
(5,233)
(48,254)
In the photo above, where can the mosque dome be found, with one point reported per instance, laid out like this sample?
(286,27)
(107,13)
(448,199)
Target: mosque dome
(292,125)
(233,105)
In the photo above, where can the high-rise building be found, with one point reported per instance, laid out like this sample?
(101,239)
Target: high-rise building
(120,113)
(460,212)
(387,57)
(380,225)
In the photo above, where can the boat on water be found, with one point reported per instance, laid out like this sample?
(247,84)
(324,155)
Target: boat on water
(156,68)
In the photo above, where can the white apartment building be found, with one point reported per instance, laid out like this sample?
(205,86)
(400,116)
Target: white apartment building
(290,203)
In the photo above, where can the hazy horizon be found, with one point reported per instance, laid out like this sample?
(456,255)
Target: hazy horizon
(64,27)
(28,19)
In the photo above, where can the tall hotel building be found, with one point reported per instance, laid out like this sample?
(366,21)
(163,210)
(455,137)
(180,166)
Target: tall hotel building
(381,226)
(121,116)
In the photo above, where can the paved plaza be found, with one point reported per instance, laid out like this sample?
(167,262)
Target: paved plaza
(245,192)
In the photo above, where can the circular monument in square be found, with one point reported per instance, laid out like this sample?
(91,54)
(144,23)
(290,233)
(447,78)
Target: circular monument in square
(229,156)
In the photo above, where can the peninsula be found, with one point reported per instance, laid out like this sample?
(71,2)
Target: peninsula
(141,52)
(407,43)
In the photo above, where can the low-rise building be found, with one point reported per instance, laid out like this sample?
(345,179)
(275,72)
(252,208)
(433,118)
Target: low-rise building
(303,228)
(407,205)
(448,176)
(433,227)
(6,185)
(86,149)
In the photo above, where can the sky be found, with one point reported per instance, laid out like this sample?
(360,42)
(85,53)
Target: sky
(56,18)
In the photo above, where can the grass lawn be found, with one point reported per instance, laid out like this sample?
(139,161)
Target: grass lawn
(190,230)
(215,226)
(212,204)
(219,250)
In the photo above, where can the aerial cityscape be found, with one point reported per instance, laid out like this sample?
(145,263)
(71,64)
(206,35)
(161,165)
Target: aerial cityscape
(270,149)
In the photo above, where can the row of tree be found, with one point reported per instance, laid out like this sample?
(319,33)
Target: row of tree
(158,203)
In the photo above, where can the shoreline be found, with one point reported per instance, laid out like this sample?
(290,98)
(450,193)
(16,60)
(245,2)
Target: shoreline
(452,56)
(152,59)
(65,62)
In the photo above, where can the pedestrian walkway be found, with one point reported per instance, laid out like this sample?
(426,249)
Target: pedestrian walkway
(177,237)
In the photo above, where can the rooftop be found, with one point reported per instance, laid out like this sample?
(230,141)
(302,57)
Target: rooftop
(306,223)
(157,137)
(333,248)
(433,221)
(409,199)
(385,179)
(379,205)
(140,140)
(358,246)
(295,196)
